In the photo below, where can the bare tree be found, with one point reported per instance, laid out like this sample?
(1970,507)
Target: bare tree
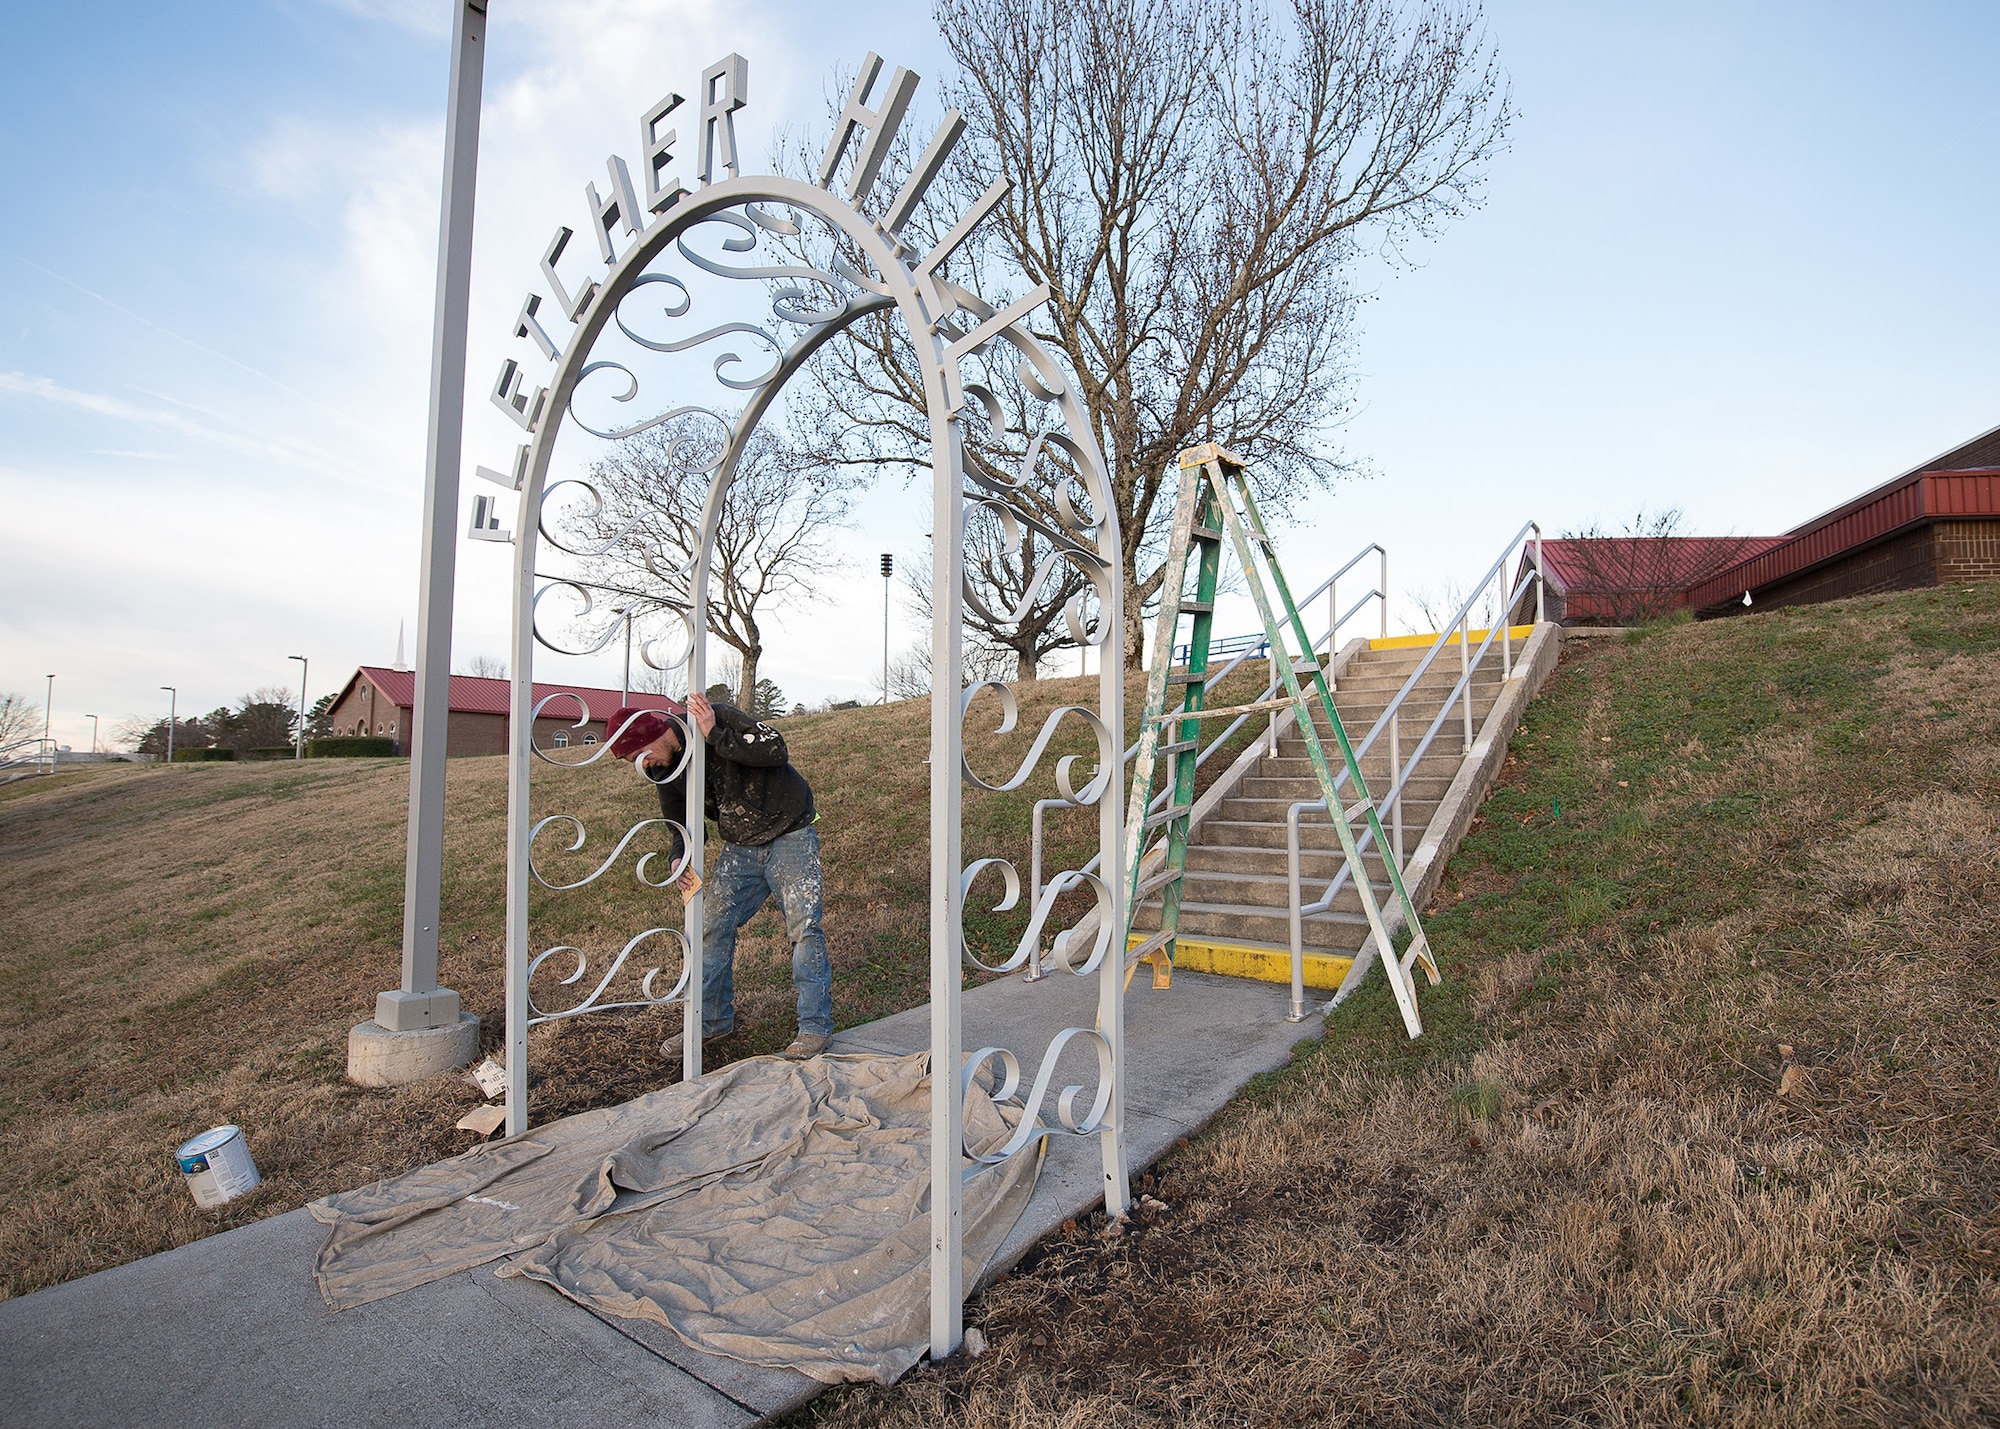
(1435,607)
(18,718)
(649,681)
(771,545)
(1194,179)
(1641,573)
(486,667)
(910,672)
(1020,588)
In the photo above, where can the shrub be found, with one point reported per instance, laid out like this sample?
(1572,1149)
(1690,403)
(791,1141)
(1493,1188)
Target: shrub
(202,756)
(351,746)
(269,751)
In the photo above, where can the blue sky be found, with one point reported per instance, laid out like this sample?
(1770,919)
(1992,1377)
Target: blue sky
(1737,259)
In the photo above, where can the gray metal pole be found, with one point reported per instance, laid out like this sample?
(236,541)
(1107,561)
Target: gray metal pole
(421,1003)
(304,665)
(48,709)
(173,717)
(93,732)
(625,689)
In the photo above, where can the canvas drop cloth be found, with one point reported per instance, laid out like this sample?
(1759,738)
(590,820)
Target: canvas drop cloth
(776,1212)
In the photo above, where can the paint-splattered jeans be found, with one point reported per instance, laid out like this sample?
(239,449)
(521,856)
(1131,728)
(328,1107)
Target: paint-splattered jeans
(786,868)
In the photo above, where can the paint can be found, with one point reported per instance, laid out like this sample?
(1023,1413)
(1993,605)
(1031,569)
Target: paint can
(218,1166)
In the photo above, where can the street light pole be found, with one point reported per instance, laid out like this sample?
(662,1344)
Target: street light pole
(304,665)
(888,569)
(173,718)
(48,708)
(93,732)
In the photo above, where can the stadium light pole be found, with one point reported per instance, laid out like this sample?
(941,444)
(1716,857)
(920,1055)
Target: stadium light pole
(93,732)
(173,718)
(888,569)
(625,688)
(48,709)
(304,665)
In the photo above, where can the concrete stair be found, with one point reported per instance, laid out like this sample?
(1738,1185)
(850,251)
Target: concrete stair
(1235,894)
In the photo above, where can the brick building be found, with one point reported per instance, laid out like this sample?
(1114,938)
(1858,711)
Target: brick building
(1937,523)
(378,701)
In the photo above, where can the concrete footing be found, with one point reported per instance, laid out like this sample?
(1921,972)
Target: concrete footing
(378,1057)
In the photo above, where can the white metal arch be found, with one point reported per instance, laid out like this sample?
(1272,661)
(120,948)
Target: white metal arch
(946,325)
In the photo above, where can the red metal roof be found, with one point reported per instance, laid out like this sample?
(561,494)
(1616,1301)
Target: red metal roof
(477,694)
(1582,564)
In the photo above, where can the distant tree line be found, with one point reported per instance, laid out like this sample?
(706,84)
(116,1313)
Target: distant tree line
(262,719)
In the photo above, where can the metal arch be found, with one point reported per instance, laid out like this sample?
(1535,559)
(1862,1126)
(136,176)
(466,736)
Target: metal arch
(928,304)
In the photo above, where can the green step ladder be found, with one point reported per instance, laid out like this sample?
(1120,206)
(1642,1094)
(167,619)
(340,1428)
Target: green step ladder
(1215,504)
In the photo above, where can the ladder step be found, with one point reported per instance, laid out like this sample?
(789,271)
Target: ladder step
(1177,748)
(1152,945)
(1206,533)
(1187,677)
(1156,883)
(1167,816)
(1197,607)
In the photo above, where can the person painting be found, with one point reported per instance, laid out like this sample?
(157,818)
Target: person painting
(763,810)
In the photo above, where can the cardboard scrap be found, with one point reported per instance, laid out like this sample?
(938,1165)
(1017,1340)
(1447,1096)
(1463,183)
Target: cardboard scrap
(484,1120)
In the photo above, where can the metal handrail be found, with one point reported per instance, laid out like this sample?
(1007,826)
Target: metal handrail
(1393,796)
(45,752)
(1158,801)
(1457,631)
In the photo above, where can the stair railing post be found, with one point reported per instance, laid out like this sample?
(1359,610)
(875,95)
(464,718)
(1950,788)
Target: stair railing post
(1465,672)
(1541,581)
(1271,729)
(1396,780)
(1298,1012)
(1035,971)
(1507,644)
(1383,585)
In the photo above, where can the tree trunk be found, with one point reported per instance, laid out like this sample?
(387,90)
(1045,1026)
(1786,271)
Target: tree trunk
(1134,633)
(1024,667)
(746,693)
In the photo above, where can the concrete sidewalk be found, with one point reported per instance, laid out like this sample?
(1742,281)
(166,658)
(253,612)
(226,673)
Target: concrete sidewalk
(231,1330)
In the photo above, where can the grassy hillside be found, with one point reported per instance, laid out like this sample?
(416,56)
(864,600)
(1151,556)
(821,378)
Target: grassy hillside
(1704,1128)
(187,946)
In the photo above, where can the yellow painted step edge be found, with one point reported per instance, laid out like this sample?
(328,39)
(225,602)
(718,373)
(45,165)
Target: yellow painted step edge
(1417,642)
(1322,970)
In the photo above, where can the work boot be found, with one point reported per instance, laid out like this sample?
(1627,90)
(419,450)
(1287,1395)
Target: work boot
(671,1048)
(806,1044)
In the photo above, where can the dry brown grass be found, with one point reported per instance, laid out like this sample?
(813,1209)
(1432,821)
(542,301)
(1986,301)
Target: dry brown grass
(1704,1129)
(189,946)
